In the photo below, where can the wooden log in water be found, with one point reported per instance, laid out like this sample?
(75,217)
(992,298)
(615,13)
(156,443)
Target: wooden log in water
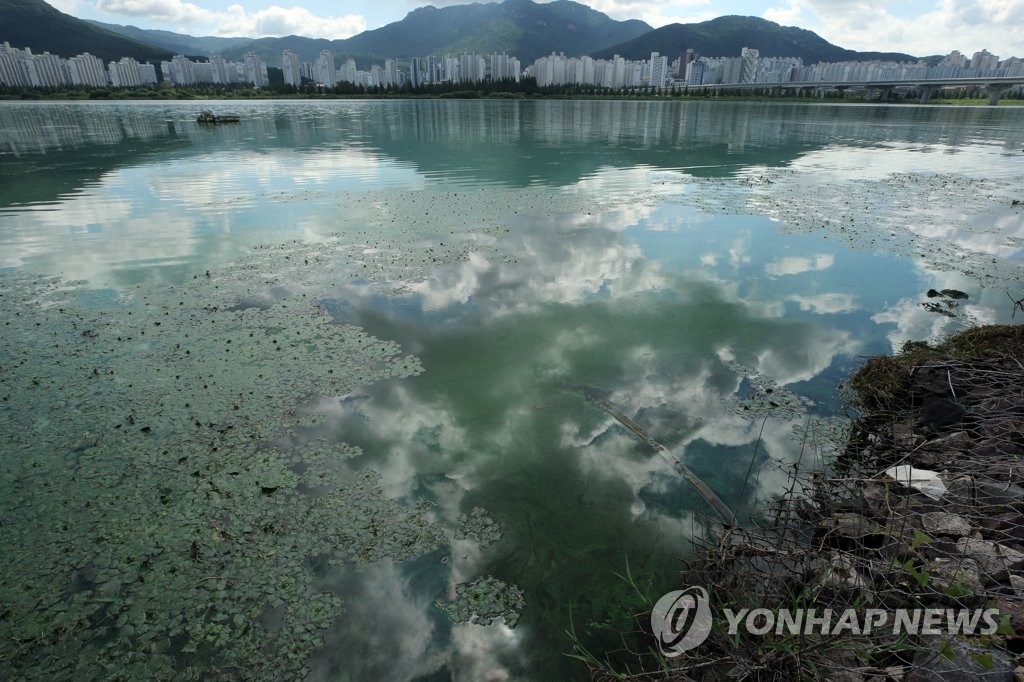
(705,491)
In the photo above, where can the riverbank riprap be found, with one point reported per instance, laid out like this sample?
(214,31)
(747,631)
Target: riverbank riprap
(868,533)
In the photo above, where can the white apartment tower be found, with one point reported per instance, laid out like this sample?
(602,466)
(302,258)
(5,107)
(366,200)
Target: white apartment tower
(658,71)
(748,68)
(85,69)
(180,70)
(323,70)
(292,68)
(504,67)
(348,72)
(47,70)
(125,73)
(984,60)
(221,71)
(10,67)
(390,77)
(256,70)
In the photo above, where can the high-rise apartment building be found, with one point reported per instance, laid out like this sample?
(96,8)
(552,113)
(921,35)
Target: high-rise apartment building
(86,69)
(47,71)
(125,73)
(504,67)
(658,71)
(323,69)
(418,75)
(222,71)
(694,73)
(748,67)
(292,68)
(347,73)
(984,60)
(256,70)
(11,72)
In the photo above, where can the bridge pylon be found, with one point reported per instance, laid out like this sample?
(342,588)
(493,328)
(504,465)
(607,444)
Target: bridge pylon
(995,91)
(927,91)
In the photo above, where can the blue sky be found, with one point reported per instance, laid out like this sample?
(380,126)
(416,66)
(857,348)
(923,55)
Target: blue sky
(920,27)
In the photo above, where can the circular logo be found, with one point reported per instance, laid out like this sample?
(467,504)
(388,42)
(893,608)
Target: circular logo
(681,620)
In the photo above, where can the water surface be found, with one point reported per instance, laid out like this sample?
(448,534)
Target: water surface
(676,259)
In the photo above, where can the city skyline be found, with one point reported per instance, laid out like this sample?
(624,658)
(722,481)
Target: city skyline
(919,27)
(23,68)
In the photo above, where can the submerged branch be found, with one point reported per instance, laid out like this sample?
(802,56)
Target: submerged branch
(705,491)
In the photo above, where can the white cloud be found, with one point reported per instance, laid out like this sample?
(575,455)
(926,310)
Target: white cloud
(794,265)
(657,14)
(269,21)
(66,6)
(173,11)
(879,25)
(792,14)
(381,604)
(738,250)
(826,304)
(280,21)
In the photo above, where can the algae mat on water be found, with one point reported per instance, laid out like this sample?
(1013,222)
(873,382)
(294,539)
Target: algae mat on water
(158,520)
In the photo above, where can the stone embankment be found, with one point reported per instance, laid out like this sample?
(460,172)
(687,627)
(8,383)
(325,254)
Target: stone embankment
(923,511)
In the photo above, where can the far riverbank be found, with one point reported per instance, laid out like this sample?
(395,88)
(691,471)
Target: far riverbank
(212,93)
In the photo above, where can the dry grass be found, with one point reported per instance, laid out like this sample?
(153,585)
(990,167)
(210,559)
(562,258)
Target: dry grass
(882,383)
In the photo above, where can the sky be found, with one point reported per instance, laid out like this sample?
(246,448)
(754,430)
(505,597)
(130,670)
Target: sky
(918,27)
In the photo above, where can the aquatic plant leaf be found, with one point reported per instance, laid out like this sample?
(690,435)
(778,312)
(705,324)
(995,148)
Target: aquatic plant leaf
(484,600)
(151,531)
(825,435)
(764,397)
(477,525)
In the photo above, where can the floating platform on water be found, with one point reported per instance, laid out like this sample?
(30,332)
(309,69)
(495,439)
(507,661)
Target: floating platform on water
(210,117)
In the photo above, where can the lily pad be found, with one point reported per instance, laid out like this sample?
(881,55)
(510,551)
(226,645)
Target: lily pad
(484,600)
(151,530)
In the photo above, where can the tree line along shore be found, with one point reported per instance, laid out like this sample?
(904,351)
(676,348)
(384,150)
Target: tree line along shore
(525,88)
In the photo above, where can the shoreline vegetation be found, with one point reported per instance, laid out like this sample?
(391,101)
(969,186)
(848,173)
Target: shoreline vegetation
(849,535)
(524,89)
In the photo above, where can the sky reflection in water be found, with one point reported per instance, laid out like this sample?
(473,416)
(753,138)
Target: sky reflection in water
(593,261)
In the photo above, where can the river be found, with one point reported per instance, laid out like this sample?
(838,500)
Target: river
(330,392)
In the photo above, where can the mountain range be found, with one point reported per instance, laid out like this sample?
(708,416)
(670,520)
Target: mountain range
(521,28)
(178,43)
(726,36)
(37,25)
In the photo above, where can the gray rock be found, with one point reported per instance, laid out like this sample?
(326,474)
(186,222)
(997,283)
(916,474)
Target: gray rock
(942,523)
(958,441)
(946,572)
(875,497)
(993,559)
(931,665)
(931,460)
(841,573)
(850,525)
(993,492)
(903,434)
(961,490)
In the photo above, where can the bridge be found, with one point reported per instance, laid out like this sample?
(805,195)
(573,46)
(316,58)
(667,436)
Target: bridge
(995,85)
